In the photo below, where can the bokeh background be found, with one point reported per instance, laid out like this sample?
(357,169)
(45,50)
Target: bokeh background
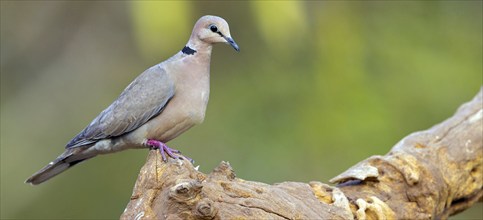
(317,87)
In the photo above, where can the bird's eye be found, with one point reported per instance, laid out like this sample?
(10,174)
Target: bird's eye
(213,28)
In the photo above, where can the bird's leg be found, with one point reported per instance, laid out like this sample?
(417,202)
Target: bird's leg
(164,149)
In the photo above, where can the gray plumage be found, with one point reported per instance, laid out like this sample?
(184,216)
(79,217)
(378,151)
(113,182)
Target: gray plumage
(160,104)
(144,98)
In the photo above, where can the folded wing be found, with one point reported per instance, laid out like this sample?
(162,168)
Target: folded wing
(143,99)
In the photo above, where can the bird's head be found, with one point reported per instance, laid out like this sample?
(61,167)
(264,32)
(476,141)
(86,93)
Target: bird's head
(212,29)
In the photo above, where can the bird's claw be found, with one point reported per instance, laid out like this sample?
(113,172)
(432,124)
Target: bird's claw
(164,149)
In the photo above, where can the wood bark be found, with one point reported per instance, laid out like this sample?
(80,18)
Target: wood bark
(430,174)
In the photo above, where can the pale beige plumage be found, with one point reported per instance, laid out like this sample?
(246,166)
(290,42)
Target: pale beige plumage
(160,104)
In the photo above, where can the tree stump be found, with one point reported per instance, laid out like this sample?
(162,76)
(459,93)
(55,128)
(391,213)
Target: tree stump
(429,174)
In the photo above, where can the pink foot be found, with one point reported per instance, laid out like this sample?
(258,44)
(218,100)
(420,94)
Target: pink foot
(164,149)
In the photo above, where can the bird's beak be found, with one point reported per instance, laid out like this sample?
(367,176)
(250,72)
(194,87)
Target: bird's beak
(230,41)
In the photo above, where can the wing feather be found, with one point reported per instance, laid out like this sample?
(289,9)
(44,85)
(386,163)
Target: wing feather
(143,99)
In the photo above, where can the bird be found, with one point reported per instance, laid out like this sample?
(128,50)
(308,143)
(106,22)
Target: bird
(157,106)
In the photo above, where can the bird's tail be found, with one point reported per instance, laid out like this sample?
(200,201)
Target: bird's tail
(59,165)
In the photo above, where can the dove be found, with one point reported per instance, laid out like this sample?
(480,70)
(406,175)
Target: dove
(160,104)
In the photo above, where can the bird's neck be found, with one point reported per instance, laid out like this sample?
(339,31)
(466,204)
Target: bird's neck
(193,60)
(196,46)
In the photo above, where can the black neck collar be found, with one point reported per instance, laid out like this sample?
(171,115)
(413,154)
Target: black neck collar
(188,51)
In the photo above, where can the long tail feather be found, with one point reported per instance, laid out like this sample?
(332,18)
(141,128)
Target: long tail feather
(59,165)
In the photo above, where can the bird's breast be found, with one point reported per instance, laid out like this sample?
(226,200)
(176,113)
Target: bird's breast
(186,109)
(180,114)
(194,107)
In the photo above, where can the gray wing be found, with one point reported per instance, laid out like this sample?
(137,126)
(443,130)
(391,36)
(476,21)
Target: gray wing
(143,99)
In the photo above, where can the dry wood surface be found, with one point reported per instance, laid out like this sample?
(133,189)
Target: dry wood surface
(429,174)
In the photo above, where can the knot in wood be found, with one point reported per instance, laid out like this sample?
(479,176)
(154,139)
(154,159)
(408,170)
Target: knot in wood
(185,191)
(205,209)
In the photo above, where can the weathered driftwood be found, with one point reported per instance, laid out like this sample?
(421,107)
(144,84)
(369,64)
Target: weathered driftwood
(429,174)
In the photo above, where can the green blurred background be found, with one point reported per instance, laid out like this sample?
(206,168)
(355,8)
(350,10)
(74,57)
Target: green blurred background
(317,87)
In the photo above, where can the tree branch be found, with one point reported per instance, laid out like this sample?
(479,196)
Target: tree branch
(428,174)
